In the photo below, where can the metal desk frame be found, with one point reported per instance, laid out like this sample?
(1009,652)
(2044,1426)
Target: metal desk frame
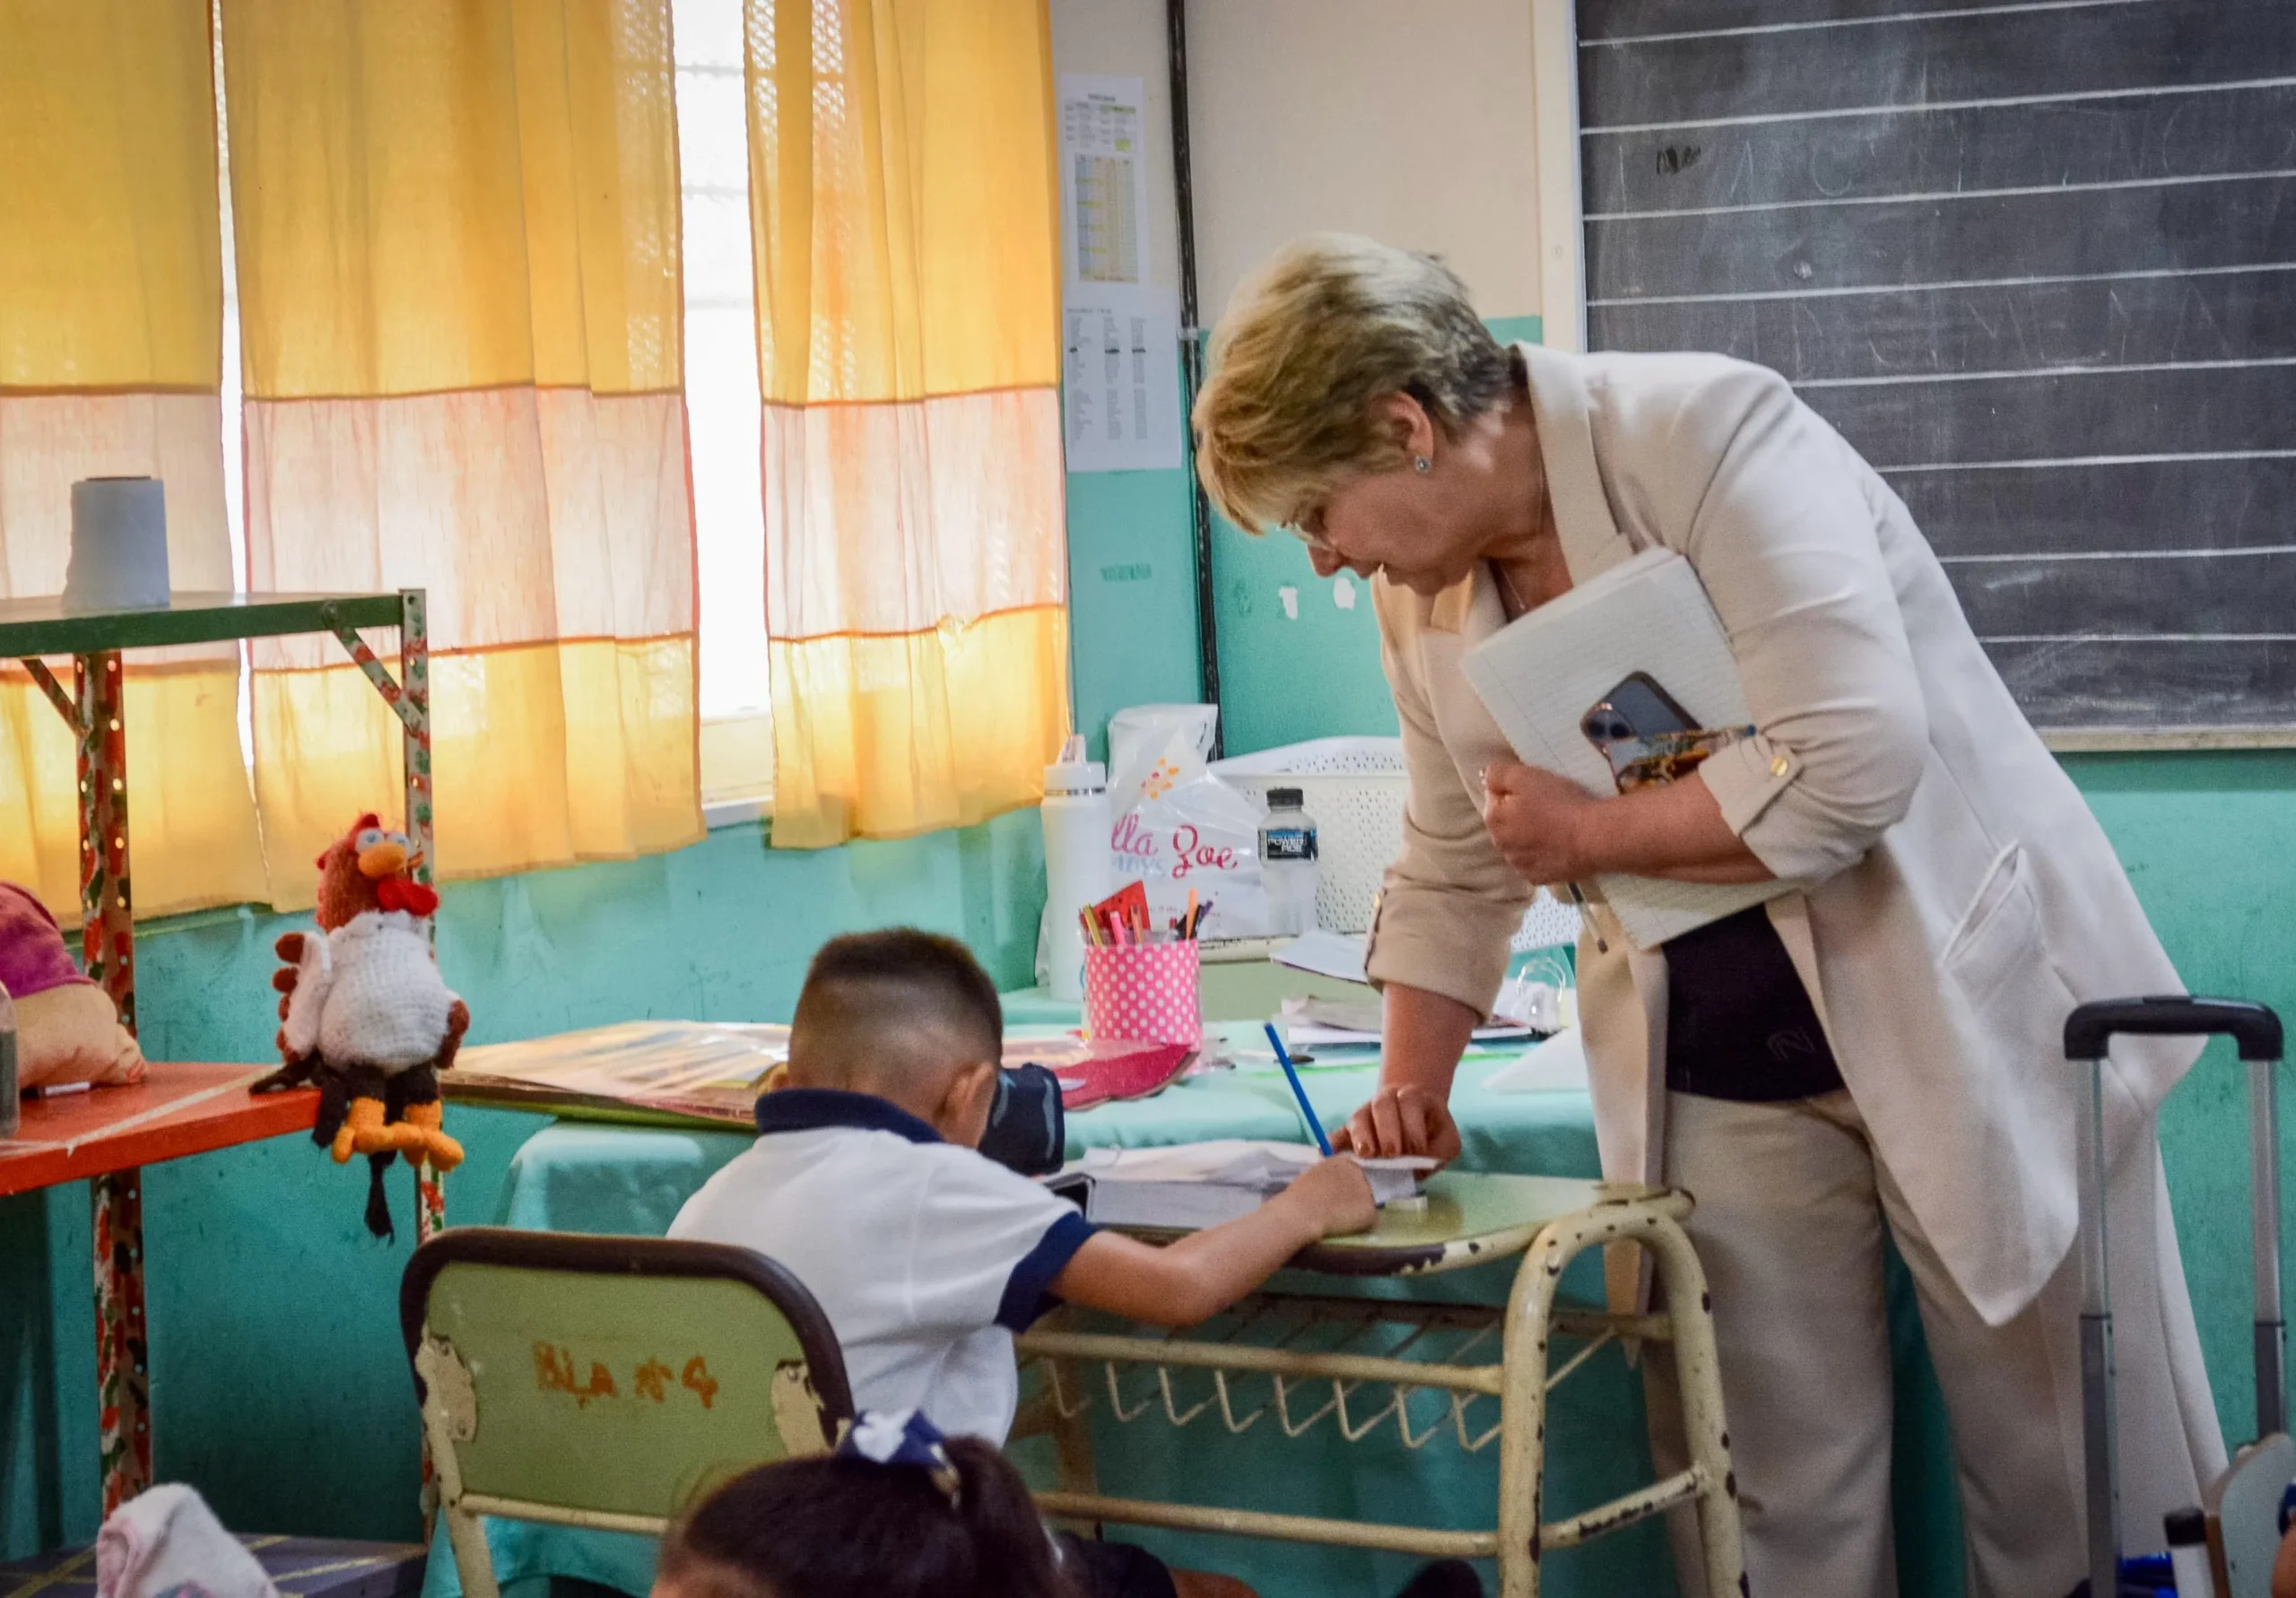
(95,709)
(1519,1380)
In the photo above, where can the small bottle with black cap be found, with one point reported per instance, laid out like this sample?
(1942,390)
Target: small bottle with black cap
(11,1104)
(2187,1534)
(1287,863)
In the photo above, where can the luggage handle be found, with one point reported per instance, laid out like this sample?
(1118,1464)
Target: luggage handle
(2253,1027)
(2089,1032)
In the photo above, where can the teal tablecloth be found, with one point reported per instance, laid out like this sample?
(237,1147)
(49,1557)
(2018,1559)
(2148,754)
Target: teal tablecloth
(589,1177)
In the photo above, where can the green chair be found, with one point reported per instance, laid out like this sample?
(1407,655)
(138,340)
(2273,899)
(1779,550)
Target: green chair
(606,1382)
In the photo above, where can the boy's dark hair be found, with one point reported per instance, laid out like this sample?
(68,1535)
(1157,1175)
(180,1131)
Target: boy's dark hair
(866,991)
(841,1528)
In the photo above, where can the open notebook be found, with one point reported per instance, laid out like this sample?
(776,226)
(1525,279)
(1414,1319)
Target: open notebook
(1539,675)
(1187,1186)
(1336,1025)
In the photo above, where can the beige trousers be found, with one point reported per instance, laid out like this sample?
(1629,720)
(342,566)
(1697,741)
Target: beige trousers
(1792,1204)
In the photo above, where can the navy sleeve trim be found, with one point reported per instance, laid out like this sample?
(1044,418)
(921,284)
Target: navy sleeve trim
(1027,1292)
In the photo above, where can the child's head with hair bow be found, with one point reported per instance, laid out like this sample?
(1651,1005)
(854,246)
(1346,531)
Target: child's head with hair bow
(899,1511)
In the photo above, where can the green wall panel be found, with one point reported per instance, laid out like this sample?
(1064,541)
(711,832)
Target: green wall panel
(1132,593)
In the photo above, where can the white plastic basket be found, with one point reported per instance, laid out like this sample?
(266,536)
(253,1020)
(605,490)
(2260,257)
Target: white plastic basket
(1354,789)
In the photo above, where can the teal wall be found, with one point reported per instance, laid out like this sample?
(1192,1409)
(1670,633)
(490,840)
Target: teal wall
(279,1387)
(2209,840)
(1132,595)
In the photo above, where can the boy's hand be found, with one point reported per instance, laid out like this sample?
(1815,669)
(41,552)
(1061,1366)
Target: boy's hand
(1336,1195)
(1201,1274)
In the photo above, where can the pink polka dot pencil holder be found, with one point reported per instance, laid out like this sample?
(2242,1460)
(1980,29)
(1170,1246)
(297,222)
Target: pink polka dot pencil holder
(1143,992)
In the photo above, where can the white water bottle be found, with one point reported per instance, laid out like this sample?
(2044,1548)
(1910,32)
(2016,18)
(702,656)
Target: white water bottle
(1077,868)
(1287,863)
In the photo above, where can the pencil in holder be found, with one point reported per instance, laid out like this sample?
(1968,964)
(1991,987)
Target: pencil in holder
(1143,992)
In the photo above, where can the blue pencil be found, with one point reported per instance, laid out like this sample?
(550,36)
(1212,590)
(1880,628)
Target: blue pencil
(1292,1075)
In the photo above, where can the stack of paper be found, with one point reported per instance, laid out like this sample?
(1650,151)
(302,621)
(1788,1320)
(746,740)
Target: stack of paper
(1540,674)
(708,1070)
(1190,1185)
(1338,955)
(1333,1024)
(1559,1065)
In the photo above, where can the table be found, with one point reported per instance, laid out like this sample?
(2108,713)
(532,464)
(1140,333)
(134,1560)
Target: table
(105,1137)
(95,708)
(1270,1346)
(583,1176)
(175,1110)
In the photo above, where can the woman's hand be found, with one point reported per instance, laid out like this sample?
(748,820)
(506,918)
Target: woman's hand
(1402,1118)
(1550,831)
(1536,819)
(1421,1042)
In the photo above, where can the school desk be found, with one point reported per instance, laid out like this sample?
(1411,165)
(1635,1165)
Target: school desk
(1336,1370)
(175,1110)
(589,1178)
(105,1137)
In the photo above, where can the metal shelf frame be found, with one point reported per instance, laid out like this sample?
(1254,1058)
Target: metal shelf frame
(95,709)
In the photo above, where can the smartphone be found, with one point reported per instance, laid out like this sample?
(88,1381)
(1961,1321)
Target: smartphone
(1638,707)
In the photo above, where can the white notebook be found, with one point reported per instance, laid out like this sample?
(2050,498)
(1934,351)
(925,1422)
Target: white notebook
(1187,1186)
(1539,675)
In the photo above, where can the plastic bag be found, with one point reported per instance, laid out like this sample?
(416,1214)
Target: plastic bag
(1154,748)
(1178,828)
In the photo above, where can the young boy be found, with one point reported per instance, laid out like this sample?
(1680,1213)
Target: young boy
(865,1183)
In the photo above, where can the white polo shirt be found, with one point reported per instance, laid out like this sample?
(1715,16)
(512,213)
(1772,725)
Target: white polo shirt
(926,1256)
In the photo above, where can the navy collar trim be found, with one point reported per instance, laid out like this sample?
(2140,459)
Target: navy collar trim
(811,1109)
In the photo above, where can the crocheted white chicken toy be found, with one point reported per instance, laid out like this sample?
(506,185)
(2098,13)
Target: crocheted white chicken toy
(366,1016)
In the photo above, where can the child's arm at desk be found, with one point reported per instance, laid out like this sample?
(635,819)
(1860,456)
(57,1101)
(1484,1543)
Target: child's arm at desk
(1199,1275)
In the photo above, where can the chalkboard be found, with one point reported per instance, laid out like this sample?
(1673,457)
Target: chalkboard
(2036,259)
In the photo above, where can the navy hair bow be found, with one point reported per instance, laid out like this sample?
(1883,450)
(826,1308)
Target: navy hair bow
(902,1437)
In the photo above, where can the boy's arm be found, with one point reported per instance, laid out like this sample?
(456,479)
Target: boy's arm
(1201,1274)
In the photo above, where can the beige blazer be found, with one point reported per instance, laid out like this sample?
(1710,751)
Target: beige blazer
(1958,898)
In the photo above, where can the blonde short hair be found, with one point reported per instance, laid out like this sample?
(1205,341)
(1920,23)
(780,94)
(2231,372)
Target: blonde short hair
(1331,326)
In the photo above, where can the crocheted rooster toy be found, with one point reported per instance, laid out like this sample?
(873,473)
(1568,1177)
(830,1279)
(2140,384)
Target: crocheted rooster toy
(366,1016)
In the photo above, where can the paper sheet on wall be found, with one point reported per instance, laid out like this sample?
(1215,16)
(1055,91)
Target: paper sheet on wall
(1104,180)
(1121,384)
(1120,379)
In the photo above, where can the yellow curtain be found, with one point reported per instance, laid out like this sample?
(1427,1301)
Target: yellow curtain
(906,223)
(457,231)
(110,364)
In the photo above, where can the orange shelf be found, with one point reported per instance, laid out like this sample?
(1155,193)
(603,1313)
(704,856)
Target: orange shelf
(175,1110)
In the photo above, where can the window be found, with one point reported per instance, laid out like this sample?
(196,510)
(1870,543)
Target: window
(722,407)
(232,391)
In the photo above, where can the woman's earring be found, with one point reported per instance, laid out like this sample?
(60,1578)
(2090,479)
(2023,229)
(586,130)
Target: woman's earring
(1420,463)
